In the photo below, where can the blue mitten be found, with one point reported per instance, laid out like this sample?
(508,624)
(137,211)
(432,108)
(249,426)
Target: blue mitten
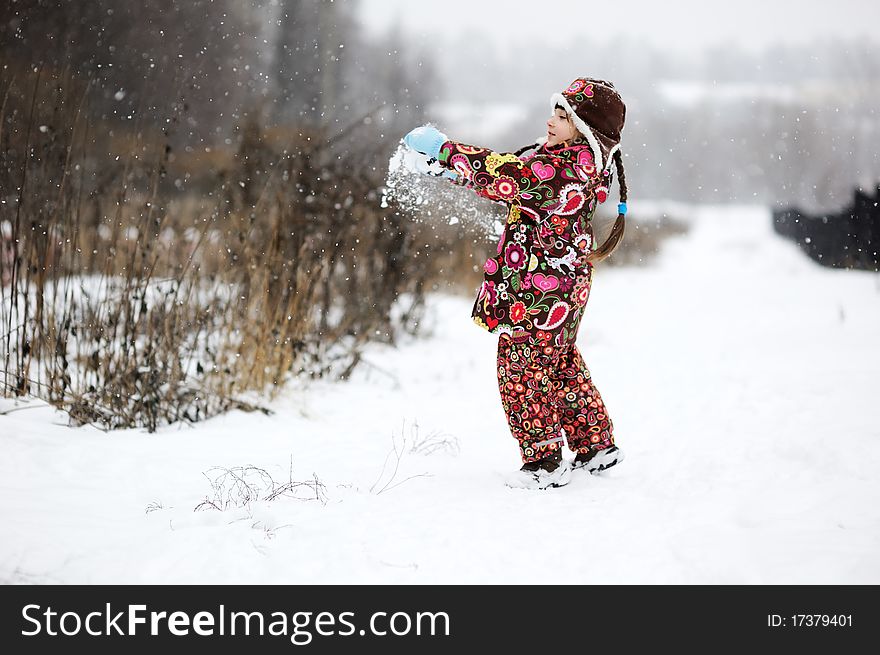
(426,139)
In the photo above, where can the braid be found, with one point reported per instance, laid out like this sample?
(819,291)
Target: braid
(617,230)
(621,176)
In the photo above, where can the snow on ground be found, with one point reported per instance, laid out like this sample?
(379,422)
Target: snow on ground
(740,377)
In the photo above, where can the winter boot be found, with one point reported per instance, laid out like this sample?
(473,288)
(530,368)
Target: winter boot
(598,460)
(551,471)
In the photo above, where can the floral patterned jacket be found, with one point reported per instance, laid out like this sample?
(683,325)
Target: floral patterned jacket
(539,280)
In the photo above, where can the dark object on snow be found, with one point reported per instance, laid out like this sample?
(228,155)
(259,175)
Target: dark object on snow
(849,239)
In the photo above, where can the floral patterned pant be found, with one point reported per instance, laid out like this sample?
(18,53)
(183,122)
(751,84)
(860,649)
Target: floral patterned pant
(548,395)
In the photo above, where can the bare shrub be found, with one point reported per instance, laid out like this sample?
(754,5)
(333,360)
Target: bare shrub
(432,442)
(131,298)
(387,478)
(241,486)
(154,506)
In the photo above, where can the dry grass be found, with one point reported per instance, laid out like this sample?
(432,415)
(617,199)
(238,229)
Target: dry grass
(141,288)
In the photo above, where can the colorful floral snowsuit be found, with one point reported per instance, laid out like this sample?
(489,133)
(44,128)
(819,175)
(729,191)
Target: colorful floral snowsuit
(535,289)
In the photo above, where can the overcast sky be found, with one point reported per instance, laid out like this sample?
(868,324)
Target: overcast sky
(681,24)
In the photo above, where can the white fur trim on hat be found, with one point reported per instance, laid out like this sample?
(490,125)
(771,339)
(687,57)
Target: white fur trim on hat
(611,158)
(583,128)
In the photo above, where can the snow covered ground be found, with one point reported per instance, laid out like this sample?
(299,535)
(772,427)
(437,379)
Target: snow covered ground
(741,378)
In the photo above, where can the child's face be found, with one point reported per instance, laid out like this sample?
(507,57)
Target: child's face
(559,128)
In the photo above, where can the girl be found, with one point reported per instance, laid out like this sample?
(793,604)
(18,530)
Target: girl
(536,286)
